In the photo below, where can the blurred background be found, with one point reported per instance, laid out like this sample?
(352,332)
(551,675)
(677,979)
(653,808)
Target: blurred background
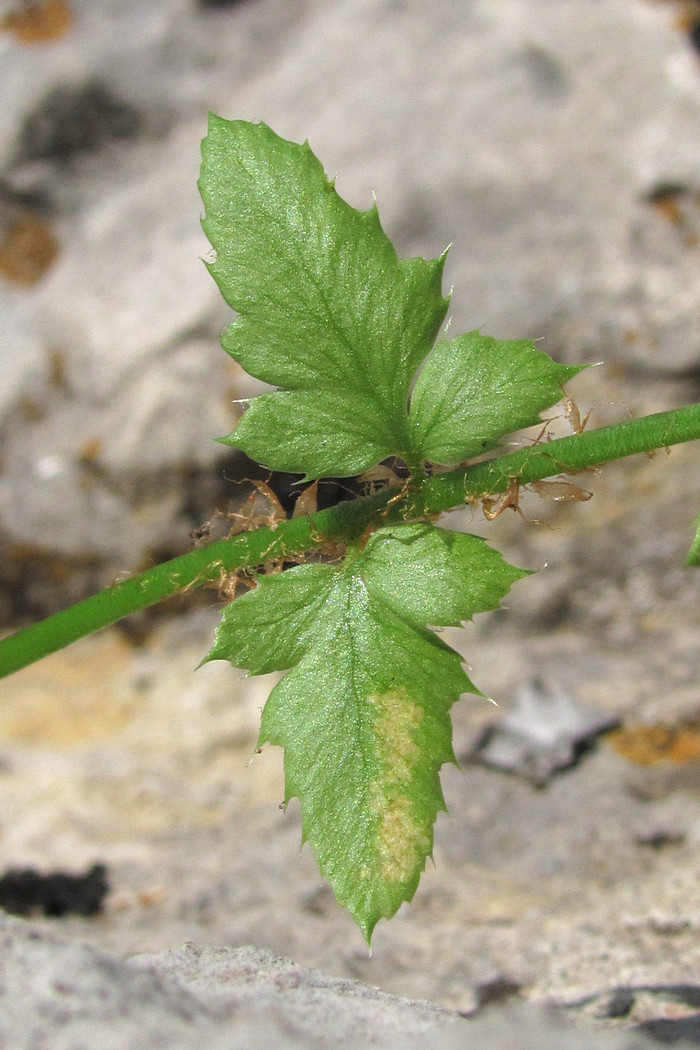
(554,145)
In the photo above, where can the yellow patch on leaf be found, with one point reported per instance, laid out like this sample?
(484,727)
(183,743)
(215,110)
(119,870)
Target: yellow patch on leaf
(401,840)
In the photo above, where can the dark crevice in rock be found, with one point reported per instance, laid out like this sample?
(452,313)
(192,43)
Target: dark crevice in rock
(25,891)
(36,581)
(71,121)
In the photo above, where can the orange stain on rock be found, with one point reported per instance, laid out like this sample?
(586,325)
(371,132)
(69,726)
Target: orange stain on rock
(38,22)
(645,745)
(27,249)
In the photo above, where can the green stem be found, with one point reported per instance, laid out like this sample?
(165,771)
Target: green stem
(566,455)
(346,520)
(194,569)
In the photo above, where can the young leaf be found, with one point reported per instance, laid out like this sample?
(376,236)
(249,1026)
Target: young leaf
(473,390)
(327,311)
(364,714)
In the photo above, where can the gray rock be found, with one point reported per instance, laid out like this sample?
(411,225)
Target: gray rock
(545,732)
(128,758)
(72,997)
(537,137)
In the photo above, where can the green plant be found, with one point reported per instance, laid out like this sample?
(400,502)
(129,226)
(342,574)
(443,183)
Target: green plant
(346,332)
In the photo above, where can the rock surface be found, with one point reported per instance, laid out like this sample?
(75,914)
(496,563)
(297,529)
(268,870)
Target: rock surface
(73,997)
(125,757)
(554,144)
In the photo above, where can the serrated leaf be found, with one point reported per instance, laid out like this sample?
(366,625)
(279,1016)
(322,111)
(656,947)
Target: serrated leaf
(327,311)
(473,390)
(364,714)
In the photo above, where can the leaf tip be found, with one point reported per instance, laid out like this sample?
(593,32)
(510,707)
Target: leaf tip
(211,655)
(227,439)
(214,120)
(571,371)
(367,929)
(693,559)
